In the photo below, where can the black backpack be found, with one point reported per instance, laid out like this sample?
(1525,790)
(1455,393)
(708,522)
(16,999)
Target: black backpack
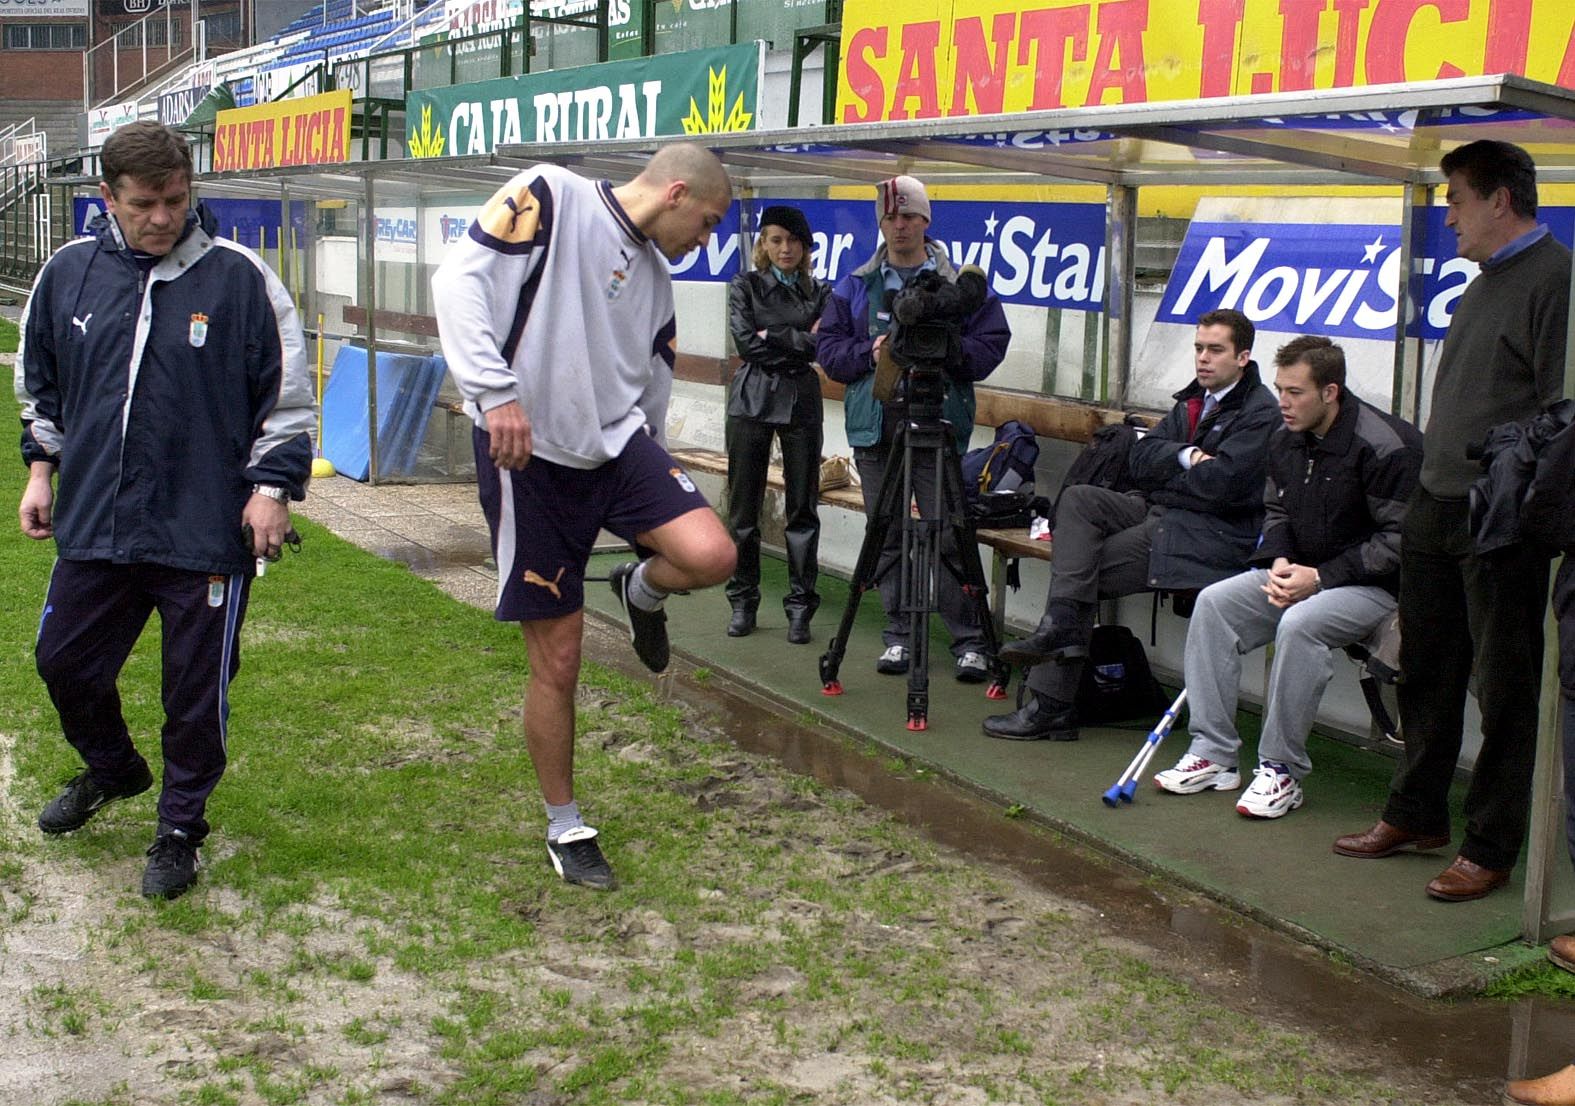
(1103,462)
(1117,683)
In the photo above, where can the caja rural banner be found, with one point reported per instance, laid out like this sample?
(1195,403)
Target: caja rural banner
(927,59)
(311,130)
(690,93)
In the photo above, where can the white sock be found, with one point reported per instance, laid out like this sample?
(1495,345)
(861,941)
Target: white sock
(642,593)
(561,819)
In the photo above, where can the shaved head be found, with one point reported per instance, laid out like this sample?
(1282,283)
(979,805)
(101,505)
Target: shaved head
(694,165)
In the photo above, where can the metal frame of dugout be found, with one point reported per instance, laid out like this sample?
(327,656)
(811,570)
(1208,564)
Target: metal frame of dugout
(1324,138)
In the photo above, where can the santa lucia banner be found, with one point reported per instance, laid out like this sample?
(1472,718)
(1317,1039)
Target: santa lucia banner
(928,59)
(309,130)
(695,92)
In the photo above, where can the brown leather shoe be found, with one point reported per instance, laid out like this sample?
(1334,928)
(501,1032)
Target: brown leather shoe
(1465,880)
(1557,1089)
(1562,952)
(1386,840)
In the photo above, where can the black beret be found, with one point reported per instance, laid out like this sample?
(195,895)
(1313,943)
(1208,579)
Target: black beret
(790,219)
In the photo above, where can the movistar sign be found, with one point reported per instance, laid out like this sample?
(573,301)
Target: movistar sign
(1339,280)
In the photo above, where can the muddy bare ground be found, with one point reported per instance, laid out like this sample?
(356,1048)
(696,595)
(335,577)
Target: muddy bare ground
(997,991)
(905,971)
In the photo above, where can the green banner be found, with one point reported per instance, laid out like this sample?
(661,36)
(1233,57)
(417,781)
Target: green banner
(692,93)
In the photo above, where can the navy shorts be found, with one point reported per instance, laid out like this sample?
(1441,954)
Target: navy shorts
(545,517)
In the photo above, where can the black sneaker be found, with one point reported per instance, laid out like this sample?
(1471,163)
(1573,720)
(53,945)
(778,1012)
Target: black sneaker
(172,864)
(84,796)
(578,859)
(647,629)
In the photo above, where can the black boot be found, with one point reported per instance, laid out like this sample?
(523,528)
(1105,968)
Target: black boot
(1062,635)
(798,627)
(742,624)
(1038,720)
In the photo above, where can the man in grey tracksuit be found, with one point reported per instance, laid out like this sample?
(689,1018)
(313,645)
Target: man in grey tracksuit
(1325,575)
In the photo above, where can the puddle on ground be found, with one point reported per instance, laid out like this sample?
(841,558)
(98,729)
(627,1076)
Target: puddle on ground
(426,562)
(1470,1045)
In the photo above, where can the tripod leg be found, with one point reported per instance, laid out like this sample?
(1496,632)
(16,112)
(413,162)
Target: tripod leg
(964,565)
(921,558)
(920,540)
(866,570)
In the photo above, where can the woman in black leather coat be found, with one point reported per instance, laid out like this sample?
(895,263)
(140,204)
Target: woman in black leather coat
(773,312)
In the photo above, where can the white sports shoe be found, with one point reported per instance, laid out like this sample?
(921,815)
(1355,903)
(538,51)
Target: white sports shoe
(1193,774)
(972,668)
(894,661)
(1273,793)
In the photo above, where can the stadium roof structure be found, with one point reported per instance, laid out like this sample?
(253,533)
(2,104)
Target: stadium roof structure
(1379,134)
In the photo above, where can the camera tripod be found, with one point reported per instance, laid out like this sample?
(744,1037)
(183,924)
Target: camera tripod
(921,433)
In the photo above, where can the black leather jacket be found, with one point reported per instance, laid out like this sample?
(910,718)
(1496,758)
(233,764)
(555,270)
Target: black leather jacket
(758,301)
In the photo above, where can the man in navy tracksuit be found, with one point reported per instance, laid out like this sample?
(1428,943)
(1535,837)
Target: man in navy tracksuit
(163,376)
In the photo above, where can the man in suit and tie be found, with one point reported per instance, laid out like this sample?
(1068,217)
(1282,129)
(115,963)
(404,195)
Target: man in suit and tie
(1193,521)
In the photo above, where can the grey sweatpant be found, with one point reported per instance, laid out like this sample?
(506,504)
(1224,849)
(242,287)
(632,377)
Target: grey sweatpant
(1234,617)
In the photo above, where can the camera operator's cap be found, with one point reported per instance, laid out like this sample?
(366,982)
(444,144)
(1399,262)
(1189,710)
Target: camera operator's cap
(790,219)
(902,194)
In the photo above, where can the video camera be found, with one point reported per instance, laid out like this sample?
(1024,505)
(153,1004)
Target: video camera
(929,313)
(926,334)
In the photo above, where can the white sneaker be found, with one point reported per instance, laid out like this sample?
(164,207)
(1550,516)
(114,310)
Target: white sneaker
(894,661)
(972,668)
(1273,793)
(1193,774)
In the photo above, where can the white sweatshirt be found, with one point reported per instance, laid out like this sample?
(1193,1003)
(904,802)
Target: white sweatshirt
(556,299)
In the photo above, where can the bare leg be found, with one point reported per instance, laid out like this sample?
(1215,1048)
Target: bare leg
(552,646)
(692,551)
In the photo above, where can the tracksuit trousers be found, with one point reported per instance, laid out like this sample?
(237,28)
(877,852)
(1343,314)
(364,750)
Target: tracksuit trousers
(93,615)
(1234,617)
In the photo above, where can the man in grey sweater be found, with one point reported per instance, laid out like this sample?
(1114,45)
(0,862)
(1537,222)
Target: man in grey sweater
(1502,361)
(556,316)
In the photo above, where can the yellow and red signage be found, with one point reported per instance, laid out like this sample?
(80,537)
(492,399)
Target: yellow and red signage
(942,58)
(312,130)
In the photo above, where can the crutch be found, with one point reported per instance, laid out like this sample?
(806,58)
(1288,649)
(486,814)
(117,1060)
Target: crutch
(1127,784)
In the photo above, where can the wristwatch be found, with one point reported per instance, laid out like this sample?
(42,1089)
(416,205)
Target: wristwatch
(278,495)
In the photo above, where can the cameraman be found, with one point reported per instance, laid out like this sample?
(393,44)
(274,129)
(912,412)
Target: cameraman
(853,329)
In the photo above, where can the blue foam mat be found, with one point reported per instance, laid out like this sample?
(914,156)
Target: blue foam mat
(406,388)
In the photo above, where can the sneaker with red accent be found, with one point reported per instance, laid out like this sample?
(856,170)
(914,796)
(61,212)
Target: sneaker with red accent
(1273,792)
(1193,774)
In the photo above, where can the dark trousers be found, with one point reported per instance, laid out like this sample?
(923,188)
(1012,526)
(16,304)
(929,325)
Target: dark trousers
(93,615)
(1569,775)
(1564,608)
(748,455)
(1102,542)
(1462,614)
(957,611)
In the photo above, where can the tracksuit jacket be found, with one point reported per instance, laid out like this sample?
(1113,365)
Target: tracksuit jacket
(1337,504)
(163,396)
